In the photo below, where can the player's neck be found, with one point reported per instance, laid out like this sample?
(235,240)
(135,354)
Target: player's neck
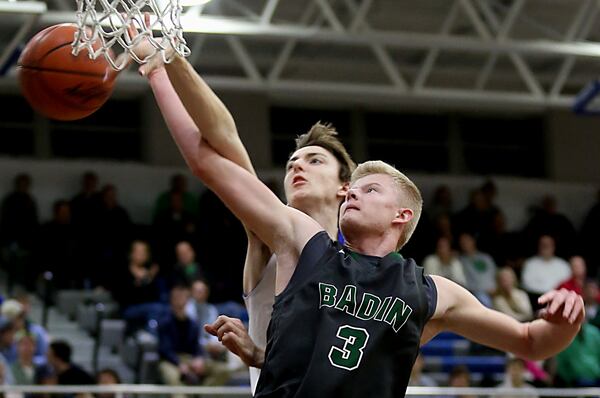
(327,217)
(372,245)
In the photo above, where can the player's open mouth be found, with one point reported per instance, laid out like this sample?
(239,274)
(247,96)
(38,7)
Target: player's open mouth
(351,207)
(298,180)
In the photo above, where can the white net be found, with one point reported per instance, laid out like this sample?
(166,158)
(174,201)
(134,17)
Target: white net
(103,28)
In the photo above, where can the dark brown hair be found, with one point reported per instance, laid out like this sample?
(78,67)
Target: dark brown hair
(325,136)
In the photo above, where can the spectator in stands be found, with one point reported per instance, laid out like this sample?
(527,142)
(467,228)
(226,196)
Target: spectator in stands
(173,225)
(202,312)
(509,299)
(514,377)
(590,236)
(591,292)
(139,291)
(417,378)
(505,247)
(107,377)
(18,227)
(178,185)
(460,377)
(57,248)
(477,217)
(67,372)
(187,269)
(85,217)
(579,364)
(547,220)
(17,310)
(181,356)
(444,263)
(24,369)
(114,235)
(441,203)
(7,334)
(85,205)
(545,271)
(578,275)
(479,268)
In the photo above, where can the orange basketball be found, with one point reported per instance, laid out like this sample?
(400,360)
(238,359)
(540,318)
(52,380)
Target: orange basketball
(58,84)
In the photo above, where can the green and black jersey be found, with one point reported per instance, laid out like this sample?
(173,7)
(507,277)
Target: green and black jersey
(347,325)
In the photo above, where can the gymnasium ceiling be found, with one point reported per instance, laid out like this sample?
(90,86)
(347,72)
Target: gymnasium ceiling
(513,53)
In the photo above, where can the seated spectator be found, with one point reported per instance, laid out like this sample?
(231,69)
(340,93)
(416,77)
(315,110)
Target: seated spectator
(178,185)
(579,364)
(6,340)
(203,313)
(139,291)
(57,252)
(114,236)
(480,269)
(444,263)
(18,228)
(107,377)
(417,378)
(441,205)
(67,373)
(187,269)
(590,236)
(24,369)
(578,275)
(181,359)
(510,300)
(548,221)
(460,377)
(591,291)
(543,272)
(514,377)
(17,311)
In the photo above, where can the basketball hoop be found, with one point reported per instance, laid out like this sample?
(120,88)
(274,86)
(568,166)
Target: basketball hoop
(106,22)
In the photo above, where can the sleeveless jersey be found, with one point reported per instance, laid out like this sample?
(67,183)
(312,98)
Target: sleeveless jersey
(259,303)
(347,325)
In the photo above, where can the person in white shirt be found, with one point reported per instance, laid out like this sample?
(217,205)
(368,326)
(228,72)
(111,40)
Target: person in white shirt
(514,377)
(544,271)
(445,263)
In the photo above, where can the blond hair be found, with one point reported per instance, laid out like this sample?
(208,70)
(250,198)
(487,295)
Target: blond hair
(410,192)
(325,136)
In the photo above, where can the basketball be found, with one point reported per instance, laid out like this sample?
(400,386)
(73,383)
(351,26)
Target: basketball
(58,84)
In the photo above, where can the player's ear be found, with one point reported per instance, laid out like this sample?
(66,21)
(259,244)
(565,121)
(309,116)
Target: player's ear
(343,190)
(403,215)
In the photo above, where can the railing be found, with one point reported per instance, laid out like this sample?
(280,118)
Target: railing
(149,389)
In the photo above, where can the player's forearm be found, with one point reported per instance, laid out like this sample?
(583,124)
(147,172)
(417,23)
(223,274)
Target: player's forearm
(181,126)
(548,339)
(208,112)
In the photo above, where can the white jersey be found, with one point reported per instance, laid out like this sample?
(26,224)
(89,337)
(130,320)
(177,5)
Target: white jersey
(259,303)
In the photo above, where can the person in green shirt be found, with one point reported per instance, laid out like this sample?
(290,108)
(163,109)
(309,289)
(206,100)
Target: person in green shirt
(579,364)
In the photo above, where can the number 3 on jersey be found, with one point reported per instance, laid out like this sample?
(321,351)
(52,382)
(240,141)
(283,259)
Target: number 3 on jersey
(349,356)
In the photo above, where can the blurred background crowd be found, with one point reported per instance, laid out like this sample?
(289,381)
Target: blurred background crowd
(168,278)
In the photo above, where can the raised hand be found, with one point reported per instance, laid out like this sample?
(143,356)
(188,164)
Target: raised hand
(562,306)
(232,333)
(144,50)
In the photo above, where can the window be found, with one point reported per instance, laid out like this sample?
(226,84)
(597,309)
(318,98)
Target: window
(112,132)
(410,142)
(510,146)
(288,123)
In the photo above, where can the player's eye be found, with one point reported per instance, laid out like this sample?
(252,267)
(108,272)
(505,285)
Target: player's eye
(371,189)
(315,161)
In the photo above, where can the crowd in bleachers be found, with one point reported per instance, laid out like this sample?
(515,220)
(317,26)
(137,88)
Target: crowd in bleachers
(167,276)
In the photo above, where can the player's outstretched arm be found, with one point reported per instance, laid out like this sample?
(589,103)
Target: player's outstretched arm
(208,112)
(460,312)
